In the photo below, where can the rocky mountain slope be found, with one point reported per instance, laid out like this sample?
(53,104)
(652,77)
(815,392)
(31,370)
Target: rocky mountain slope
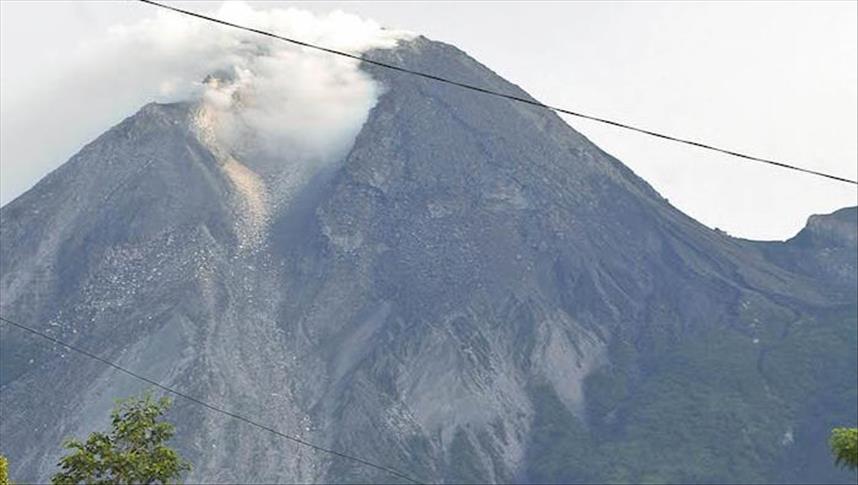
(476,293)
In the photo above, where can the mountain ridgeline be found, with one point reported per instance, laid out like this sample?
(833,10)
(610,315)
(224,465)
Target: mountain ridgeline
(475,293)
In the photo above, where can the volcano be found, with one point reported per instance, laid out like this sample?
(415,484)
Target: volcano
(473,293)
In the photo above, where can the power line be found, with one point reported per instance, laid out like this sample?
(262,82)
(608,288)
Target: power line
(507,96)
(383,468)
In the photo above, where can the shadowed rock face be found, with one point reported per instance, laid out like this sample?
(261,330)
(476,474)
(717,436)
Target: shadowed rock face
(475,293)
(827,250)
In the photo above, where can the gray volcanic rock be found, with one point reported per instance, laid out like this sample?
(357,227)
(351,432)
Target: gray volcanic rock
(476,293)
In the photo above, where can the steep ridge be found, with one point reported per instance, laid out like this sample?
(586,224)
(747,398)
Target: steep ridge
(826,250)
(476,293)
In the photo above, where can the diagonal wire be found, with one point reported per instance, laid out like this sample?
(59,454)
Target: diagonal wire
(519,99)
(135,375)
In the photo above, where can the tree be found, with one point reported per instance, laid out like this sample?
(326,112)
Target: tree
(4,471)
(133,452)
(844,444)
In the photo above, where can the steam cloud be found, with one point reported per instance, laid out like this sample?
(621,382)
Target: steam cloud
(268,97)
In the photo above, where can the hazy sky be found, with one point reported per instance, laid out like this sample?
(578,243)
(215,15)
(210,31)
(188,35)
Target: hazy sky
(778,80)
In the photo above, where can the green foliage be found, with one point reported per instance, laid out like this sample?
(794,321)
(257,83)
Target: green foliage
(718,408)
(4,471)
(701,414)
(133,452)
(562,450)
(844,444)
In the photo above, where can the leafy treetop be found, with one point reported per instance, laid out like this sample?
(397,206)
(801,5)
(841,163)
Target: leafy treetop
(4,471)
(844,444)
(133,452)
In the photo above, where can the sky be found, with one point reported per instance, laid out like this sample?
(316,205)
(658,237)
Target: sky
(776,80)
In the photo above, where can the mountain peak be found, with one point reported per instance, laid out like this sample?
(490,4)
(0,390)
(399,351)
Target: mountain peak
(451,284)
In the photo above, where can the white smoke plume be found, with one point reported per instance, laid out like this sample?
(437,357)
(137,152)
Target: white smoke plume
(265,97)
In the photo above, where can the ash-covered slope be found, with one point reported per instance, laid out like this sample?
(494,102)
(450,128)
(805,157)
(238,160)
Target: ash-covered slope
(475,293)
